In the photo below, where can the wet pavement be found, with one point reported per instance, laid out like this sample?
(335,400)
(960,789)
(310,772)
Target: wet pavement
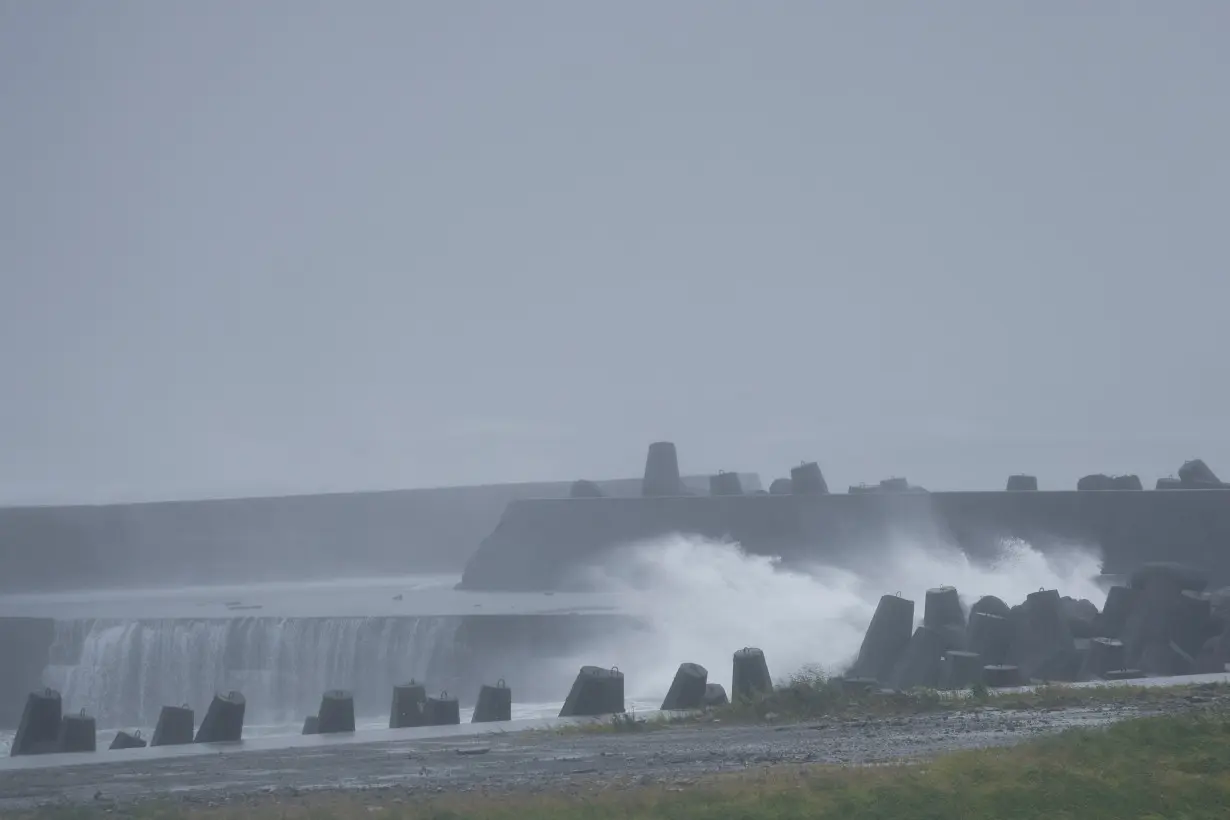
(535,761)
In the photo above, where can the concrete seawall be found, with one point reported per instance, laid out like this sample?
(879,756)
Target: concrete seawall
(537,542)
(25,646)
(243,540)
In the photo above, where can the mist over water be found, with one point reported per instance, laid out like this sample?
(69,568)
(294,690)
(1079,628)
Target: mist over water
(701,600)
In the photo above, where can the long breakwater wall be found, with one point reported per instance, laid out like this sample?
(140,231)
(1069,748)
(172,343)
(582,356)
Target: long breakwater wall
(538,543)
(244,540)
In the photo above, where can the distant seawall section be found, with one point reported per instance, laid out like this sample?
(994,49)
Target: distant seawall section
(244,540)
(538,542)
(25,647)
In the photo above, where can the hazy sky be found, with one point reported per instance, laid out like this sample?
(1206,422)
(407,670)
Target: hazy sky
(291,246)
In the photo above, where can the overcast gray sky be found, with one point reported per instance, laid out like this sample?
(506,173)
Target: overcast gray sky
(293,246)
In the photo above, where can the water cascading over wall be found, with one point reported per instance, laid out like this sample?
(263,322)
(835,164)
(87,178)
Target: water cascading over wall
(124,672)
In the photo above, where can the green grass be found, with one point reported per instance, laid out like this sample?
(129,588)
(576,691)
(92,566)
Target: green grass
(1162,767)
(810,696)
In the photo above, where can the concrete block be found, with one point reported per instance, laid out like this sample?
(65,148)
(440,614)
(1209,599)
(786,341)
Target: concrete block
(750,676)
(894,485)
(781,486)
(311,725)
(725,484)
(1197,473)
(176,725)
(662,471)
(1171,574)
(1001,676)
(943,608)
(1098,482)
(124,740)
(1168,658)
(408,702)
(886,638)
(585,489)
(1194,623)
(688,688)
(1042,643)
(596,691)
(1126,482)
(921,664)
(806,479)
(223,721)
(1081,615)
(336,713)
(1120,601)
(1214,655)
(1103,655)
(442,711)
(1162,615)
(960,669)
(1124,674)
(78,733)
(991,605)
(494,703)
(39,730)
(1022,483)
(715,695)
(989,635)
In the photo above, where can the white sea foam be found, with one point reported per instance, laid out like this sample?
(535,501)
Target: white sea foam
(703,599)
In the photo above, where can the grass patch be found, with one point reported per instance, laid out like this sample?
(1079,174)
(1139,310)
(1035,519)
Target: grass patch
(809,695)
(1162,767)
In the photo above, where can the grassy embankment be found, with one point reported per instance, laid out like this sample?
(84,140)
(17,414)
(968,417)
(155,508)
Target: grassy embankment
(1159,767)
(807,696)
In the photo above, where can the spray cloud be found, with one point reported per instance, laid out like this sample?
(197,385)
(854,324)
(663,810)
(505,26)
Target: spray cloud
(700,600)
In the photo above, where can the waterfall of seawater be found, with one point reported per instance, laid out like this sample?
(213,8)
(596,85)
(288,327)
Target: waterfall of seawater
(124,672)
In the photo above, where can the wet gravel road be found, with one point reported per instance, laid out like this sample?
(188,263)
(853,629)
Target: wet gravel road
(541,761)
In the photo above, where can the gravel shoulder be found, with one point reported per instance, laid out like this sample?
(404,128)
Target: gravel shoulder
(532,762)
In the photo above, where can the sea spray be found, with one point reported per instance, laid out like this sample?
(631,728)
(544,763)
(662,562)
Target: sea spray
(699,600)
(124,672)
